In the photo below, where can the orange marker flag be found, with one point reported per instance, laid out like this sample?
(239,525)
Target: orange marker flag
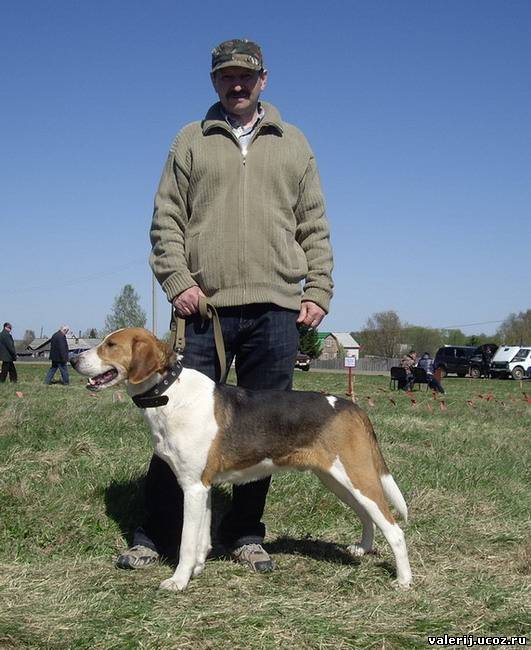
(442,405)
(370,400)
(19,394)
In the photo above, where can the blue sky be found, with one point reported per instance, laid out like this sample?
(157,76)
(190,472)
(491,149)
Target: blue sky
(419,114)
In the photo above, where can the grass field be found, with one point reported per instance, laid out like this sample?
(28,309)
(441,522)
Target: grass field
(71,469)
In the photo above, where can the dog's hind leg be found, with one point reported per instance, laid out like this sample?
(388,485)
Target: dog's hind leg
(367,495)
(195,505)
(204,537)
(367,535)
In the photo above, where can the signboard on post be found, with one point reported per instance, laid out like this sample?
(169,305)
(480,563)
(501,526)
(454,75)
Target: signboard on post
(350,362)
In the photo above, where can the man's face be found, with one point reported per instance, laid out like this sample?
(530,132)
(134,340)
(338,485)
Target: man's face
(239,88)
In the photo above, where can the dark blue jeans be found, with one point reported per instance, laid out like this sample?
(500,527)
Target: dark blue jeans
(263,340)
(53,369)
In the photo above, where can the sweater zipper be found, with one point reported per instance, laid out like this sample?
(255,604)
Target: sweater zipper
(243,227)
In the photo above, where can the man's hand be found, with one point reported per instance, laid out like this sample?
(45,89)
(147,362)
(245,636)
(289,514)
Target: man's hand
(311,314)
(187,302)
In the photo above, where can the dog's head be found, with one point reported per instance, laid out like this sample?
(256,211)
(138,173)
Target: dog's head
(132,354)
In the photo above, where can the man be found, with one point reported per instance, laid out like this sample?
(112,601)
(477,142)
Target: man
(59,356)
(239,218)
(426,362)
(8,355)
(407,362)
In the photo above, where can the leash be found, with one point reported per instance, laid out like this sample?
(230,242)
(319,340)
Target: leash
(207,311)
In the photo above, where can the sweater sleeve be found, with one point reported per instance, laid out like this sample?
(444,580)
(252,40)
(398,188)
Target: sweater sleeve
(10,345)
(64,349)
(168,256)
(313,235)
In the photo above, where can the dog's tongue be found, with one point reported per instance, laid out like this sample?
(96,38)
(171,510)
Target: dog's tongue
(104,378)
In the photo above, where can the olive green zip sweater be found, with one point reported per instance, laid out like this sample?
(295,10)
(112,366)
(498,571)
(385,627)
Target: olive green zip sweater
(244,229)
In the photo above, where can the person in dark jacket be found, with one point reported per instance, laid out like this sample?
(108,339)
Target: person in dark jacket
(426,362)
(8,354)
(59,356)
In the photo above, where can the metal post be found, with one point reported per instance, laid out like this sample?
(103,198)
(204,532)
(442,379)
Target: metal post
(349,389)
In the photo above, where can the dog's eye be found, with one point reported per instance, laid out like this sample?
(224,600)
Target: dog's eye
(110,344)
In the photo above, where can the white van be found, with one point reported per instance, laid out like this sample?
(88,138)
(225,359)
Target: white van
(499,365)
(520,363)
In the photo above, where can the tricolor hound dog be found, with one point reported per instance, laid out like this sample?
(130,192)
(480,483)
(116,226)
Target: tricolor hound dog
(209,433)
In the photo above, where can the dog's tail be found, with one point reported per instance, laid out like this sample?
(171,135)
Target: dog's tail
(393,494)
(390,488)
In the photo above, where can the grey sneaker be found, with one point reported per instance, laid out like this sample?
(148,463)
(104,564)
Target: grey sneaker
(254,557)
(137,557)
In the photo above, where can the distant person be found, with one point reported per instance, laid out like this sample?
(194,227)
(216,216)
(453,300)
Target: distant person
(59,356)
(426,362)
(407,362)
(486,358)
(8,355)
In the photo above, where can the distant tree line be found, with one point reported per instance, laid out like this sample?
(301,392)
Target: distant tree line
(385,335)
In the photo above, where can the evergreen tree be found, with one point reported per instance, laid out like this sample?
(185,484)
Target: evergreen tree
(90,333)
(126,311)
(309,343)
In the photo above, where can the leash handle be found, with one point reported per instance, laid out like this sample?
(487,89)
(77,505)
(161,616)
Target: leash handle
(207,311)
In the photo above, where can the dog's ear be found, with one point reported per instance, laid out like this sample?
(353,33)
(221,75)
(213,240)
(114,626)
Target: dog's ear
(145,360)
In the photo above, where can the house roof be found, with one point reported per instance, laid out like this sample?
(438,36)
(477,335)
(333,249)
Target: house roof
(343,338)
(74,343)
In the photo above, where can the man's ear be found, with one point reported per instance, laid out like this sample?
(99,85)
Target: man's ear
(145,361)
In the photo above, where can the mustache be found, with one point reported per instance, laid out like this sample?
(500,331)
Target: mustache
(234,95)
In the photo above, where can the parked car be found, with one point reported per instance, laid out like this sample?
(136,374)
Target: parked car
(478,362)
(520,364)
(499,366)
(454,359)
(302,362)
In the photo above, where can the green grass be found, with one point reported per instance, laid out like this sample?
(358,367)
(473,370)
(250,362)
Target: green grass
(71,468)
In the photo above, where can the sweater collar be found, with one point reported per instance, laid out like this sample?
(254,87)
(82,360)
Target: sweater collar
(214,119)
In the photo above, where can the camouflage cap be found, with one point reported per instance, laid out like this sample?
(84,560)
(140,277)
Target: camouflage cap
(237,52)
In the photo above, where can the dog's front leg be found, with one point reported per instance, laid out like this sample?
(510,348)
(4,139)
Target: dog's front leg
(195,504)
(204,537)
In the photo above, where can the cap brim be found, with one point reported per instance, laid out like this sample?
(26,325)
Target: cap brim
(236,64)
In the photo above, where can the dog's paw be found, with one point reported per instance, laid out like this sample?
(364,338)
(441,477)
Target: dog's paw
(357,550)
(198,569)
(402,585)
(172,585)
